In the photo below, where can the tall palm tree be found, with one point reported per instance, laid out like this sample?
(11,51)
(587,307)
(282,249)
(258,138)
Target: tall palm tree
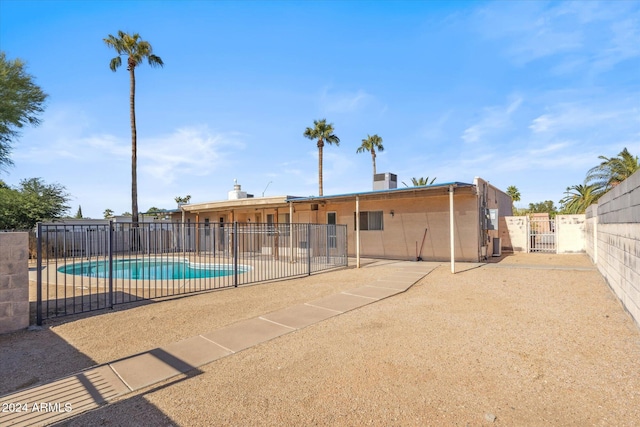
(418,182)
(612,171)
(371,144)
(135,50)
(514,193)
(323,132)
(579,197)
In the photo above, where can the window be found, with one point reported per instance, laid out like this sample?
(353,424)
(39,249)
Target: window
(369,221)
(331,230)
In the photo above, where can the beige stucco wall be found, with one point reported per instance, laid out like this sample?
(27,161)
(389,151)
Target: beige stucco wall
(14,281)
(514,233)
(570,233)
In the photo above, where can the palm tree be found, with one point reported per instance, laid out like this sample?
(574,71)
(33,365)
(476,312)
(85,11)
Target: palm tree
(371,144)
(579,197)
(514,193)
(612,171)
(418,182)
(135,50)
(322,132)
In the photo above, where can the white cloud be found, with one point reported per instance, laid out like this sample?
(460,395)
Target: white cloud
(581,36)
(187,151)
(493,120)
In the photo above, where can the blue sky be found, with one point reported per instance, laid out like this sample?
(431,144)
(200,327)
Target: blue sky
(520,93)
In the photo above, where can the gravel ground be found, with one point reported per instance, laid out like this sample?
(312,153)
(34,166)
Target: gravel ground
(523,345)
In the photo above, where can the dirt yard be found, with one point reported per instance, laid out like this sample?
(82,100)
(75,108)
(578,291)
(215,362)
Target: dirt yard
(529,340)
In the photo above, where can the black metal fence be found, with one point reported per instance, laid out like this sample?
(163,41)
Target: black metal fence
(90,267)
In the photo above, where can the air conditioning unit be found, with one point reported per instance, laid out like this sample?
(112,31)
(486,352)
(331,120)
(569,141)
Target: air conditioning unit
(385,181)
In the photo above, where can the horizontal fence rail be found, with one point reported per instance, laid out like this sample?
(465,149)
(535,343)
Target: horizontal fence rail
(89,267)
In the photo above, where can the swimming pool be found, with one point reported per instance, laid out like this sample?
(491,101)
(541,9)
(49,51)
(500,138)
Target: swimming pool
(151,269)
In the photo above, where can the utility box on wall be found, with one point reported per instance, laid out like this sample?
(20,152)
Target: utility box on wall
(490,220)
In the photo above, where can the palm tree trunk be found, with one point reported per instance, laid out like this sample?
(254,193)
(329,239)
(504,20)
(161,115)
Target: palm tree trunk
(320,145)
(373,159)
(134,150)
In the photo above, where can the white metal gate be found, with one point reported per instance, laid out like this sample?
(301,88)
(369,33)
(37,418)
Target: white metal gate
(542,234)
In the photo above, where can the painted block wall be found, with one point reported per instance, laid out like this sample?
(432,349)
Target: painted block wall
(14,281)
(404,230)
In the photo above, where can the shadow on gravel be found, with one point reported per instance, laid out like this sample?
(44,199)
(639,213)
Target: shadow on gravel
(37,347)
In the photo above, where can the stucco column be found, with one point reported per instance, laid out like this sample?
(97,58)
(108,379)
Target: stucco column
(452,231)
(357,232)
(291,259)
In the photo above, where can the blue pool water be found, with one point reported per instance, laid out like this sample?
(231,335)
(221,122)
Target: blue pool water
(151,269)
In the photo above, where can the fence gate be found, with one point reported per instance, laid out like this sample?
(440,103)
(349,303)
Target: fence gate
(542,234)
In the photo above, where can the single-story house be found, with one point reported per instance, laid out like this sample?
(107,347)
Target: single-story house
(394,223)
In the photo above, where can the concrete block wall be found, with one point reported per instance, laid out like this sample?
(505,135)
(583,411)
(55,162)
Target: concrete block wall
(616,250)
(14,281)
(590,232)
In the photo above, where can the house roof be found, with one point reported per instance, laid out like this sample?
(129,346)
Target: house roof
(384,193)
(277,201)
(238,203)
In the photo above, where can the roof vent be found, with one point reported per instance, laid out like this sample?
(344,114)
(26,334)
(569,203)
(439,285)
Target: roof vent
(237,192)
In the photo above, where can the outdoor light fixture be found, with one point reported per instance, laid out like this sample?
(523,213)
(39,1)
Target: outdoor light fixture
(392,213)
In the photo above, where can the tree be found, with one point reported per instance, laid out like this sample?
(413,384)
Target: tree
(31,202)
(79,213)
(579,197)
(108,213)
(136,51)
(612,171)
(371,144)
(542,207)
(418,182)
(21,101)
(182,200)
(514,193)
(323,132)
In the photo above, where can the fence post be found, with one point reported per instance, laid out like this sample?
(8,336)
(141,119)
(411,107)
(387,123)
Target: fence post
(235,253)
(39,275)
(111,232)
(308,249)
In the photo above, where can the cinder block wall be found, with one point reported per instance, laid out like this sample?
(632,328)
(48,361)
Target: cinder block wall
(617,243)
(14,281)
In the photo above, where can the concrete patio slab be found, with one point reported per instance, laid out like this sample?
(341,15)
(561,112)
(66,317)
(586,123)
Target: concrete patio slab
(196,351)
(61,399)
(247,333)
(300,316)
(398,284)
(148,368)
(409,275)
(373,292)
(342,302)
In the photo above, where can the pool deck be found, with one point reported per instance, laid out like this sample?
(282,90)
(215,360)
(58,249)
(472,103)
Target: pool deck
(96,386)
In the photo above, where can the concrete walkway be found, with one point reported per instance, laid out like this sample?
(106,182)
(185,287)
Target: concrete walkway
(91,388)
